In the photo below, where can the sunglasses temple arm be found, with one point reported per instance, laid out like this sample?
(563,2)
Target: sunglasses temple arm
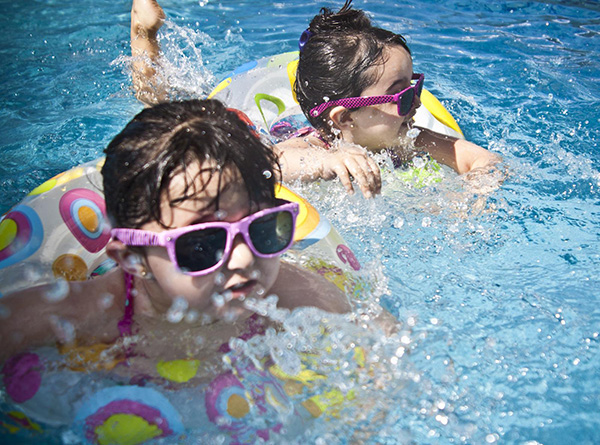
(132,237)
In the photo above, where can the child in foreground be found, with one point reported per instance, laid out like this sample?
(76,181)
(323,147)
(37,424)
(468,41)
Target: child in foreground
(190,193)
(182,339)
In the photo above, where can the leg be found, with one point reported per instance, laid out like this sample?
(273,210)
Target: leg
(146,19)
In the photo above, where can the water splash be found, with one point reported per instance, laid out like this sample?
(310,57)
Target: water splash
(63,329)
(57,290)
(177,311)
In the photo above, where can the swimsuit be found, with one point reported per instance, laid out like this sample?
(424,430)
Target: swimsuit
(243,402)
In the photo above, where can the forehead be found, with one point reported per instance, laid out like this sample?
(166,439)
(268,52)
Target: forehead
(203,188)
(397,66)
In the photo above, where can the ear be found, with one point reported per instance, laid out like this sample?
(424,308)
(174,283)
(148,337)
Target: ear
(342,119)
(131,262)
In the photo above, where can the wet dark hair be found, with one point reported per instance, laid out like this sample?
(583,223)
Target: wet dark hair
(334,62)
(163,141)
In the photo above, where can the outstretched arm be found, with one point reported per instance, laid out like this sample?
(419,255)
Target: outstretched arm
(459,154)
(86,311)
(146,19)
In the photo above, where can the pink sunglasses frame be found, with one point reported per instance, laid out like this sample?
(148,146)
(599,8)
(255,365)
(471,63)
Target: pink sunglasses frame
(168,238)
(366,101)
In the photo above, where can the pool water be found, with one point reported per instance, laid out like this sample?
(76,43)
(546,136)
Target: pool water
(498,288)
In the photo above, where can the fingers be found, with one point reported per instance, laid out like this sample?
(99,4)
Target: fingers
(362,177)
(342,172)
(362,170)
(375,175)
(352,166)
(366,174)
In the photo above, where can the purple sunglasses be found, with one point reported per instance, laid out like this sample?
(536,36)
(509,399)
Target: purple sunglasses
(202,248)
(405,99)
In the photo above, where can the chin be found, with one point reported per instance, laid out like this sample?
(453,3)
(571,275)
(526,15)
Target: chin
(234,314)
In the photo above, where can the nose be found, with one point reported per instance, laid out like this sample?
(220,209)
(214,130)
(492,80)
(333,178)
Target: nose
(241,256)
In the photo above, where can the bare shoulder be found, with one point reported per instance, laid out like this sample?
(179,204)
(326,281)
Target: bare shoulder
(298,287)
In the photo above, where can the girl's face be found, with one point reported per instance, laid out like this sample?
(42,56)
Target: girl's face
(242,275)
(379,126)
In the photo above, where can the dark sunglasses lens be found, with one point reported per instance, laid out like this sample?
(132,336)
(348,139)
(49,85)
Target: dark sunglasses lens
(406,102)
(272,233)
(419,88)
(201,249)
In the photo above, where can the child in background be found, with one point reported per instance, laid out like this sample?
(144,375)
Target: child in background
(146,19)
(356,86)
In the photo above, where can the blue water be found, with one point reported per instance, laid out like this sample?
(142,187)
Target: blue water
(500,290)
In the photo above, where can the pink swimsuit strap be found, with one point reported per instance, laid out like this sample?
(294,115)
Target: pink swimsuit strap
(125,322)
(255,325)
(309,131)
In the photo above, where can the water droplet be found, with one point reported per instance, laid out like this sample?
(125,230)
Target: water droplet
(398,222)
(33,272)
(177,310)
(57,291)
(413,133)
(70,438)
(133,262)
(419,162)
(192,316)
(442,419)
(352,218)
(218,300)
(255,274)
(227,296)
(231,315)
(288,361)
(106,301)
(491,438)
(63,329)
(220,279)
(220,215)
(205,319)
(267,174)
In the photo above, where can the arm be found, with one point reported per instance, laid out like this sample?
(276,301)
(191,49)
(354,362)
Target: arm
(308,159)
(298,287)
(146,19)
(459,154)
(36,320)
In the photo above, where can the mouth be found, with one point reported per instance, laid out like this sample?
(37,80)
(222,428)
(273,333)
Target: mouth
(241,290)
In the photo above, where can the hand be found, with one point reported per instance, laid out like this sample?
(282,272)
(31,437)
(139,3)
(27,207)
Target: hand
(147,15)
(485,180)
(350,162)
